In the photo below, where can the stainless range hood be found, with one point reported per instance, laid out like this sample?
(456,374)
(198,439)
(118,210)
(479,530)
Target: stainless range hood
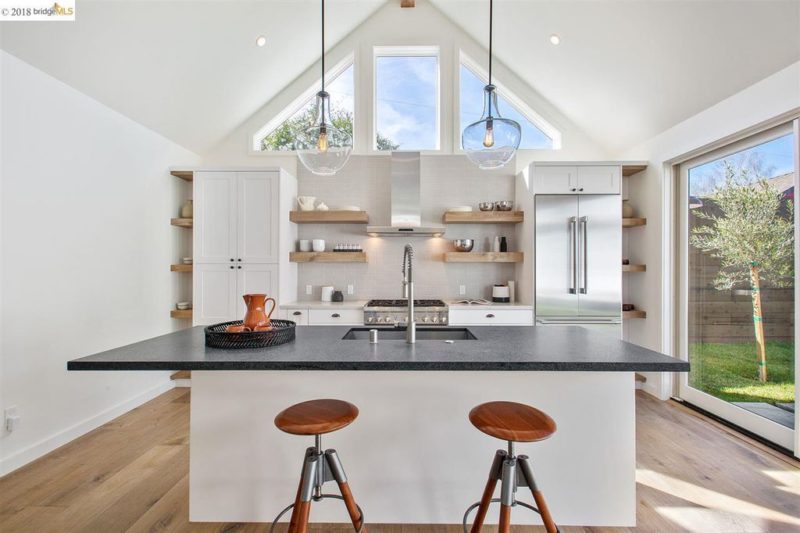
(406,211)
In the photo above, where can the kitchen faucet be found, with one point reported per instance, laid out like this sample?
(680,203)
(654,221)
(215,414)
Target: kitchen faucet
(408,293)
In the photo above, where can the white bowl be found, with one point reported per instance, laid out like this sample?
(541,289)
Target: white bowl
(182,306)
(461,209)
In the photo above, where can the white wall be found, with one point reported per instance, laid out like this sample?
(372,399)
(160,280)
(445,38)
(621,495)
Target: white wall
(86,247)
(650,192)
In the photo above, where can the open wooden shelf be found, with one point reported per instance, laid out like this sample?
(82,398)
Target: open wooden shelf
(483,257)
(328,257)
(630,170)
(181,313)
(483,217)
(186,175)
(634,268)
(181,268)
(329,217)
(636,313)
(181,374)
(633,222)
(182,222)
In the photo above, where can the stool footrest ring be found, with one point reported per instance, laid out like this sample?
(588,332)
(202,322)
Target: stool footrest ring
(317,499)
(497,500)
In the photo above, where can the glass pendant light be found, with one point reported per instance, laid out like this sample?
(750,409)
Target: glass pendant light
(492,141)
(323,148)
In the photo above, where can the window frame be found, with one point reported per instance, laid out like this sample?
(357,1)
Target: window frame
(518,103)
(405,51)
(300,101)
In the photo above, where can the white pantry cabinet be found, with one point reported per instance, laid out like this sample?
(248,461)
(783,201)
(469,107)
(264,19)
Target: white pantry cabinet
(236,217)
(239,244)
(578,179)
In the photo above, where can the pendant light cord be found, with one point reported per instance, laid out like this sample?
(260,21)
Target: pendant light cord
(323,46)
(491,14)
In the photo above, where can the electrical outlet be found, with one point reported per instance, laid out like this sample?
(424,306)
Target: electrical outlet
(11,419)
(351,289)
(309,289)
(462,290)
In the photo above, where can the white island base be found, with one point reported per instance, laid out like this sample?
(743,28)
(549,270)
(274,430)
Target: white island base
(412,455)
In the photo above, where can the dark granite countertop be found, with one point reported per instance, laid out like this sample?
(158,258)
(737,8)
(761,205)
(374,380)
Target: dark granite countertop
(550,348)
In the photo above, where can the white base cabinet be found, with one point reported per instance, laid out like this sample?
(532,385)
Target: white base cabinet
(219,289)
(491,317)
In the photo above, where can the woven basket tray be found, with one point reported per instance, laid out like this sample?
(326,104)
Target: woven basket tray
(282,332)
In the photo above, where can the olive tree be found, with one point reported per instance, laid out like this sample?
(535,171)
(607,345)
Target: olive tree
(752,239)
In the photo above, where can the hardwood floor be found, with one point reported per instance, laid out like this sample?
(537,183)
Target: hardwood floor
(131,475)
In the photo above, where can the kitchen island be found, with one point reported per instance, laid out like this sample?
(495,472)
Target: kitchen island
(412,456)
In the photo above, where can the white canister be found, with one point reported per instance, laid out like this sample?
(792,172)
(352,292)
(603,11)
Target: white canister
(305,245)
(327,293)
(306,203)
(318,245)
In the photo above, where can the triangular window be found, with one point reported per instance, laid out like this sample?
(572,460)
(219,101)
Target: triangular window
(281,132)
(471,103)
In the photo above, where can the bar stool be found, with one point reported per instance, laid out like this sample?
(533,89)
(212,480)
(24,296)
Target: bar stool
(318,417)
(512,422)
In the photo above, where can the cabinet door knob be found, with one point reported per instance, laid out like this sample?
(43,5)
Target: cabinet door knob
(231,267)
(239,267)
(241,258)
(580,190)
(572,189)
(490,315)
(297,313)
(335,315)
(231,259)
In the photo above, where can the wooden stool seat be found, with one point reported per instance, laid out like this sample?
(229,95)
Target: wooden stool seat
(512,421)
(316,417)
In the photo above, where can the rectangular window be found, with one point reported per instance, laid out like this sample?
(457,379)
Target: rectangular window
(406,98)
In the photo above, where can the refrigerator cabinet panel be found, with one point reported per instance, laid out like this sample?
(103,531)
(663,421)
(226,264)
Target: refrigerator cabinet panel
(556,256)
(599,256)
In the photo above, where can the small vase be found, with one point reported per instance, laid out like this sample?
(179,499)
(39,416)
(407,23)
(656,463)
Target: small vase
(187,209)
(627,209)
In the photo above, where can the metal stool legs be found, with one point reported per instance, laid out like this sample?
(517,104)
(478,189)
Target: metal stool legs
(318,468)
(512,472)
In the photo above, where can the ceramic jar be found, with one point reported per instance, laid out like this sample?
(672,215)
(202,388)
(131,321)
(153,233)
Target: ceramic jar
(187,209)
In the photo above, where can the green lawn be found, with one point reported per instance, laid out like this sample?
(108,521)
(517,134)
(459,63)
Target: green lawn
(730,371)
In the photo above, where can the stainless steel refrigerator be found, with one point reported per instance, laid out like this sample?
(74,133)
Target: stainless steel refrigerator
(578,259)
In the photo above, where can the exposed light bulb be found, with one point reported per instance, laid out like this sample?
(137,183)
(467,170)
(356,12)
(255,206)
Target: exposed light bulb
(488,138)
(555,39)
(261,41)
(322,143)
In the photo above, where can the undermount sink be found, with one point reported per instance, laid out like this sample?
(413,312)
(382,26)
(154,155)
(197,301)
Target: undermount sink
(423,334)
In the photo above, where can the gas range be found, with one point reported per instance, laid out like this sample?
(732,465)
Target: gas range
(393,312)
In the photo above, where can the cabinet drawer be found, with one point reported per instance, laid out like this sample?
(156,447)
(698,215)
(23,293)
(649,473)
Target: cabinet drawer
(488,317)
(296,315)
(328,317)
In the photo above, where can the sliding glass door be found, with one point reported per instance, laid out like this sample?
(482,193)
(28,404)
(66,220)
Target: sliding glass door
(737,283)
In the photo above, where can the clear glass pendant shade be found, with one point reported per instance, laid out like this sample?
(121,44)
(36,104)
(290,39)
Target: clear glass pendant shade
(324,149)
(492,141)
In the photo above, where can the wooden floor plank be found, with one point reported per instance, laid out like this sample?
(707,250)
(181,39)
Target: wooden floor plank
(131,475)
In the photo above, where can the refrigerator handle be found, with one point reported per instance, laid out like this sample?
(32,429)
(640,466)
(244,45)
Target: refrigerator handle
(584,221)
(573,251)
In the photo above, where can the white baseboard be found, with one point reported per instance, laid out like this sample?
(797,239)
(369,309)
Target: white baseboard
(47,445)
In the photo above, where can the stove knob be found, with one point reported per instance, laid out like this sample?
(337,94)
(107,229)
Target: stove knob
(371,319)
(425,319)
(435,319)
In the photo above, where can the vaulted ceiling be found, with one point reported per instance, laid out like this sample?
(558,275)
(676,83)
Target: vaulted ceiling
(624,71)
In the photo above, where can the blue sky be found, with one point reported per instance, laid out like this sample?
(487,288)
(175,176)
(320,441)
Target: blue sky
(775,157)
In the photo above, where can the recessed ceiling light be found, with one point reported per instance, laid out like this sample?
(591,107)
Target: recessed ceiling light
(555,39)
(261,40)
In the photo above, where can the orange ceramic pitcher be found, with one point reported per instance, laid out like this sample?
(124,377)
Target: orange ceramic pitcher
(256,318)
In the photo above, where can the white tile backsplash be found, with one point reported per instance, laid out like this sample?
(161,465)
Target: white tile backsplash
(446,181)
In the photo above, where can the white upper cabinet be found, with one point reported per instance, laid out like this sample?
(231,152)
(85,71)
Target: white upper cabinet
(215,217)
(579,179)
(236,217)
(600,179)
(555,180)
